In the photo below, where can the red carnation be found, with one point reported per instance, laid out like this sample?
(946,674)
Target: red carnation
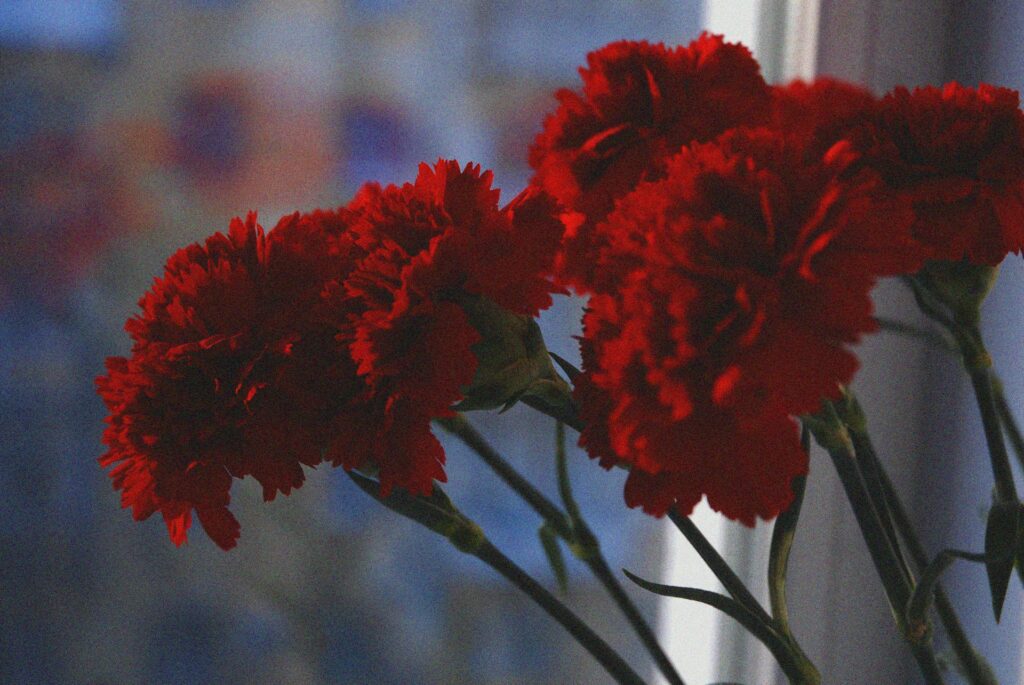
(229,374)
(338,335)
(639,104)
(443,264)
(741,277)
(958,154)
(823,111)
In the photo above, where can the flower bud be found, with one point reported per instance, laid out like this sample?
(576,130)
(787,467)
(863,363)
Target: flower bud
(511,356)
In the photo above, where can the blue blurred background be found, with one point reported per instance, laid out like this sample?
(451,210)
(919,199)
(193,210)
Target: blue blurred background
(129,129)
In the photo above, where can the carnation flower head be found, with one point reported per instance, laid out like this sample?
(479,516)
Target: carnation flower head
(823,111)
(738,281)
(339,335)
(228,375)
(639,104)
(443,263)
(958,154)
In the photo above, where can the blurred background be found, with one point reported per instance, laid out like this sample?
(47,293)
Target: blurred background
(131,128)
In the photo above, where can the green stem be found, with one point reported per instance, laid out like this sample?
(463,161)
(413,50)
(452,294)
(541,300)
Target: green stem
(833,435)
(612,662)
(604,574)
(974,666)
(867,462)
(1009,421)
(931,338)
(981,380)
(927,663)
(440,516)
(963,324)
(924,591)
(794,662)
(730,581)
(897,586)
(564,484)
(783,534)
(929,304)
(778,560)
(591,553)
(572,529)
(464,431)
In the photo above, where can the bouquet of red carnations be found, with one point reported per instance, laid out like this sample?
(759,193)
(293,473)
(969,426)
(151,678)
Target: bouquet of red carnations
(727,233)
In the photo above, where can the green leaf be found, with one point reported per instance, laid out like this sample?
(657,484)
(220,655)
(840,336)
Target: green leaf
(570,371)
(924,592)
(553,551)
(765,632)
(1002,541)
(727,605)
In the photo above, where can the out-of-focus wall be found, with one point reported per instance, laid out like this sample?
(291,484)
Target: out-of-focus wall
(129,129)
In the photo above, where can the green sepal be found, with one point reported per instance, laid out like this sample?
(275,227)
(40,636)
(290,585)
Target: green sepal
(961,286)
(1002,545)
(827,427)
(553,551)
(467,536)
(434,511)
(511,356)
(850,411)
